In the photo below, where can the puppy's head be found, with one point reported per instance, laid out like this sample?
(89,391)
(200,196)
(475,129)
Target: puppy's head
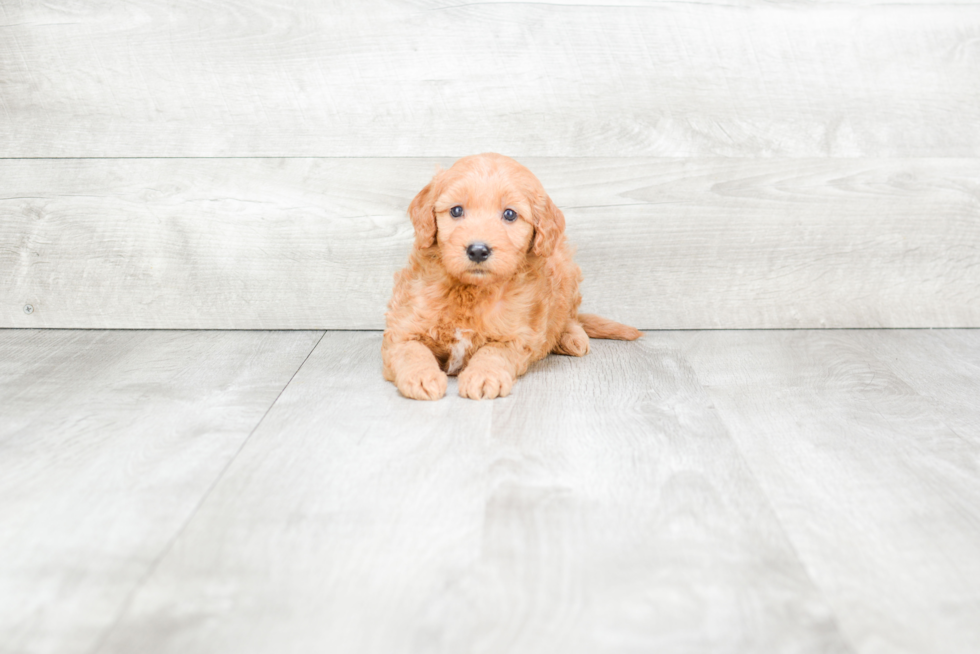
(486,214)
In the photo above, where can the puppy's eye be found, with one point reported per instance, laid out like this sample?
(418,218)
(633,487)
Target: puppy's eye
(456,211)
(510,215)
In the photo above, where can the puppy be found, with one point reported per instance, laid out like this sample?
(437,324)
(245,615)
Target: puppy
(490,285)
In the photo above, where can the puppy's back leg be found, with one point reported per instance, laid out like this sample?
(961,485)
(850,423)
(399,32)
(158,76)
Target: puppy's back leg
(573,340)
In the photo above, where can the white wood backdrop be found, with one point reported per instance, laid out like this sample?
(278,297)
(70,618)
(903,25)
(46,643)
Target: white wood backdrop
(313,243)
(247,165)
(444,78)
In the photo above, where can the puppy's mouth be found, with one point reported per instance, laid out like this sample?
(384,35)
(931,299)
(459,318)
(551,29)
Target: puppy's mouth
(476,273)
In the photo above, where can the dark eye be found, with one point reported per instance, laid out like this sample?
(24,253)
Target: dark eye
(456,211)
(510,215)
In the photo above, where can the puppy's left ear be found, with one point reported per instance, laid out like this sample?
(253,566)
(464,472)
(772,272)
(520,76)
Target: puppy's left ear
(549,225)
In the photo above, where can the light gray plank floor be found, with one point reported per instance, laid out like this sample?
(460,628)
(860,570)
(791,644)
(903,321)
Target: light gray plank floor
(108,442)
(799,491)
(877,492)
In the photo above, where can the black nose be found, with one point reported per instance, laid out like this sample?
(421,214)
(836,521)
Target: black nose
(478,252)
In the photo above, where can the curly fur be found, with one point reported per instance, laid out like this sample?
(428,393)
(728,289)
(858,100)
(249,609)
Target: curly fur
(485,321)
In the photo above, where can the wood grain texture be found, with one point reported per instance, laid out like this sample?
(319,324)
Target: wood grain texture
(442,78)
(600,508)
(942,366)
(877,493)
(663,243)
(108,441)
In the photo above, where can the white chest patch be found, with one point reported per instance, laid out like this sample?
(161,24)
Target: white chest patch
(457,354)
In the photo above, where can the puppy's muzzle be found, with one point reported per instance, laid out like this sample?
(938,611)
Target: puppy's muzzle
(478,252)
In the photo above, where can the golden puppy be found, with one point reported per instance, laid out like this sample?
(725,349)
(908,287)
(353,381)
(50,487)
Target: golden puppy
(490,285)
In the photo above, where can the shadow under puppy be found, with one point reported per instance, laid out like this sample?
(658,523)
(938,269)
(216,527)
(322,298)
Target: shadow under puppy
(490,285)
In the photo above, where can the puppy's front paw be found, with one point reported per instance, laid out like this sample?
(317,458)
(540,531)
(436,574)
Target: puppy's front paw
(483,384)
(425,384)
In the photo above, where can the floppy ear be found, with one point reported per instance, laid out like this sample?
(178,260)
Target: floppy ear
(422,213)
(549,225)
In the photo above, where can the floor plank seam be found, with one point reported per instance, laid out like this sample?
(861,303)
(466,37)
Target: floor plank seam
(818,588)
(204,496)
(844,636)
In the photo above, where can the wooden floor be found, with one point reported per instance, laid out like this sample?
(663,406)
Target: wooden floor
(722,491)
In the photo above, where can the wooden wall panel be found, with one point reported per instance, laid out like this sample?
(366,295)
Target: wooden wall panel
(663,243)
(442,78)
(152,169)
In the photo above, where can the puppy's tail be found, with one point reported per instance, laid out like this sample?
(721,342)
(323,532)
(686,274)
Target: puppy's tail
(599,327)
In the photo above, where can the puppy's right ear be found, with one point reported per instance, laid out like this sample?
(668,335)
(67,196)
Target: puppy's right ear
(423,215)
